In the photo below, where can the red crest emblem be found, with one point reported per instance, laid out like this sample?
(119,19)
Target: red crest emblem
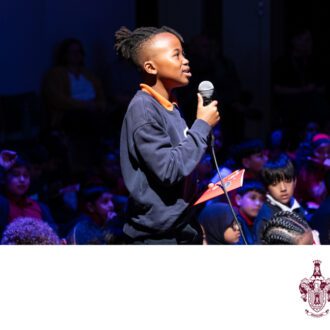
(316,290)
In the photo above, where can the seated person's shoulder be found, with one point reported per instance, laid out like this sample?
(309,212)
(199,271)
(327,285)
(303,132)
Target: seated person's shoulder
(55,75)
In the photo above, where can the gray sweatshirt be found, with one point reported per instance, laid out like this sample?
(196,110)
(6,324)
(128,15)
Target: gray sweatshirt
(158,154)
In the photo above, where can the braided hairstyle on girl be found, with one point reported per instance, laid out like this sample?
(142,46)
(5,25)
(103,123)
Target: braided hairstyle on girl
(128,44)
(284,228)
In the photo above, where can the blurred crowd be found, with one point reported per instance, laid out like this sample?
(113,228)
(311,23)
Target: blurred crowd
(65,186)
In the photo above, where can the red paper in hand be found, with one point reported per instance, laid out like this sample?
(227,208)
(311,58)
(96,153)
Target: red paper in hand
(231,182)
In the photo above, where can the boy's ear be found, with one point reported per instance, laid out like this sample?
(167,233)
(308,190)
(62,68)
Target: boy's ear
(90,207)
(238,200)
(149,67)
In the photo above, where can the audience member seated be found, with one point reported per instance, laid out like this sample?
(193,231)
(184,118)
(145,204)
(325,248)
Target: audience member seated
(218,225)
(98,224)
(280,143)
(249,199)
(15,203)
(218,222)
(107,173)
(285,228)
(75,103)
(321,218)
(311,189)
(280,180)
(63,203)
(7,158)
(70,90)
(110,173)
(29,231)
(250,155)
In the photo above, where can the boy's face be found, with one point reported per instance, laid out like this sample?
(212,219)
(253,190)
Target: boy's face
(255,162)
(18,181)
(103,206)
(250,203)
(166,60)
(282,191)
(322,152)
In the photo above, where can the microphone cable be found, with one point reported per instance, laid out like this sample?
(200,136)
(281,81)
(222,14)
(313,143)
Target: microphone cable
(223,187)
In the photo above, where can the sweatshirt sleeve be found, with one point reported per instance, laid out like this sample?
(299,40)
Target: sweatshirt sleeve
(169,163)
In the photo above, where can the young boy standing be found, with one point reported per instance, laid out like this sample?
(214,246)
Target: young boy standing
(158,152)
(280,180)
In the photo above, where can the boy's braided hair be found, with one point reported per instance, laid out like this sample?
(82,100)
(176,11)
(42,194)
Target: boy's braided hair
(284,228)
(129,43)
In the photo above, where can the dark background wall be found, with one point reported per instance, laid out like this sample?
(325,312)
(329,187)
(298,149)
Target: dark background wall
(30,30)
(252,33)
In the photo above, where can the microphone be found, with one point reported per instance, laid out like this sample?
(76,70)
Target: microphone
(206,89)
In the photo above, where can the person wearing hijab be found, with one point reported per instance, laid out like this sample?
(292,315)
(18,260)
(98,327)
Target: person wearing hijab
(217,223)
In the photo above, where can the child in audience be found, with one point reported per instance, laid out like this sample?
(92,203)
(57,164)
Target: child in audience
(16,203)
(29,231)
(249,199)
(279,178)
(218,222)
(98,223)
(311,189)
(321,218)
(249,155)
(287,227)
(7,158)
(218,226)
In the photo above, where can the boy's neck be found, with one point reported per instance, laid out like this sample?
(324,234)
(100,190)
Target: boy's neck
(249,221)
(167,104)
(97,219)
(16,198)
(158,86)
(292,204)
